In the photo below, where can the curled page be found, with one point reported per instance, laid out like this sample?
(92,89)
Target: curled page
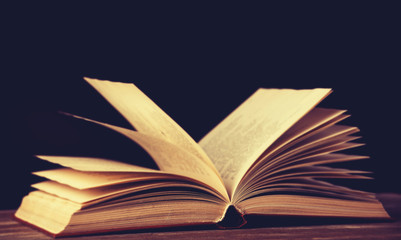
(235,143)
(171,158)
(146,117)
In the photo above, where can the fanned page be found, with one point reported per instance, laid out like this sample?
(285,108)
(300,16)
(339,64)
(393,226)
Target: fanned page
(235,143)
(108,182)
(169,158)
(145,116)
(157,133)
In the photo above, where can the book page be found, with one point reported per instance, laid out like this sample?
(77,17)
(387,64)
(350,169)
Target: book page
(314,120)
(170,158)
(146,117)
(235,143)
(170,210)
(311,124)
(93,164)
(83,179)
(95,195)
(296,205)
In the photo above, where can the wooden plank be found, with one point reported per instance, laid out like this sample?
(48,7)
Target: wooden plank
(11,229)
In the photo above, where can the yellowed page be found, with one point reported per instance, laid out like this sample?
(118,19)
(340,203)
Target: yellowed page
(316,160)
(95,164)
(170,158)
(87,195)
(296,205)
(146,117)
(316,118)
(334,132)
(96,195)
(84,179)
(46,211)
(235,143)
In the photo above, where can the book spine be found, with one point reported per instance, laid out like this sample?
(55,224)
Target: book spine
(232,218)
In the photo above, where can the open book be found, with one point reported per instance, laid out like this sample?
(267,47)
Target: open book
(266,158)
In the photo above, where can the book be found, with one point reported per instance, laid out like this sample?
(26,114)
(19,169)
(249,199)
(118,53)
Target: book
(274,155)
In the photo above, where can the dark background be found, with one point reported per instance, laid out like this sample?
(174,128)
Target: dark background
(197,62)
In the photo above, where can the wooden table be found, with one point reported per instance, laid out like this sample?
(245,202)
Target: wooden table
(341,229)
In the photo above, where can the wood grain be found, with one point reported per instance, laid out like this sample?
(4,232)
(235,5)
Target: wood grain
(300,229)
